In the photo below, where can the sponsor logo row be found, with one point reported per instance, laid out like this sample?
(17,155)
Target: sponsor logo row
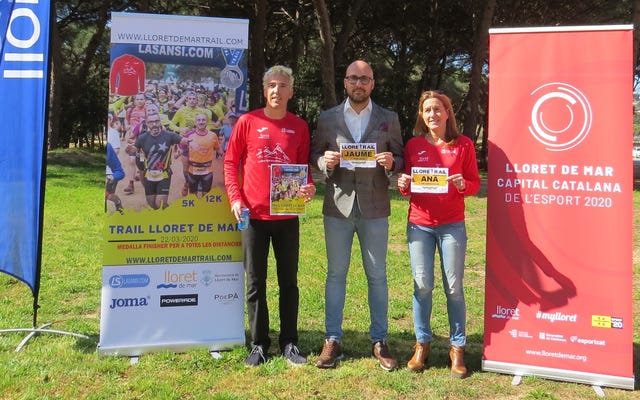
(172,280)
(171,300)
(555,337)
(600,321)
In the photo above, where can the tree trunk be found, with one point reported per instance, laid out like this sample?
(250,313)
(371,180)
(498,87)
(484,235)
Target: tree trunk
(298,39)
(55,67)
(481,41)
(257,48)
(94,42)
(144,6)
(483,154)
(87,62)
(327,67)
(348,25)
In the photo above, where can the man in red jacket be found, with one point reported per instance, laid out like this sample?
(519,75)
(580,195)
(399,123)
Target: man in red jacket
(260,138)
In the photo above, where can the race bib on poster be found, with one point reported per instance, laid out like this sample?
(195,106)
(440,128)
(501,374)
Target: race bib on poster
(361,155)
(429,180)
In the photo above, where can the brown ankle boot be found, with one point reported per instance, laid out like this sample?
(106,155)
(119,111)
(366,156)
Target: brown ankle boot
(420,356)
(458,369)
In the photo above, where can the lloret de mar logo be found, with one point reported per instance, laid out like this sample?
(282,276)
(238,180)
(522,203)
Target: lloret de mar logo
(561,116)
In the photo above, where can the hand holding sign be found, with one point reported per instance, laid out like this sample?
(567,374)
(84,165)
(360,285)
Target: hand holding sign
(385,159)
(331,158)
(458,182)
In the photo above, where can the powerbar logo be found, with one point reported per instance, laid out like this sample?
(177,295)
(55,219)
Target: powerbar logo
(179,300)
(557,316)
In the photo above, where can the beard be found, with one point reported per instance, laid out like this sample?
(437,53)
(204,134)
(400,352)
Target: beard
(358,98)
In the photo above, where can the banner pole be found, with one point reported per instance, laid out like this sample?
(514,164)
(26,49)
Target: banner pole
(35,287)
(34,331)
(35,311)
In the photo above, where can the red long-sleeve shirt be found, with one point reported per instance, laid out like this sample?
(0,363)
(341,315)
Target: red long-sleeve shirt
(127,75)
(256,142)
(431,209)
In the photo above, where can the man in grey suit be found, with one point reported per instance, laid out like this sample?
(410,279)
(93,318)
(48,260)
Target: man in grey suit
(356,201)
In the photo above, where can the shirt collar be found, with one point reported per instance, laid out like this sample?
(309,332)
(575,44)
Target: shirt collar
(347,106)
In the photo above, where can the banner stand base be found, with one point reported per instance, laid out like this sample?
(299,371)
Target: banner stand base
(598,390)
(41,329)
(596,381)
(517,379)
(133,360)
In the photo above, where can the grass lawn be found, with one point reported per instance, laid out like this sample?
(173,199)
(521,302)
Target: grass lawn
(63,367)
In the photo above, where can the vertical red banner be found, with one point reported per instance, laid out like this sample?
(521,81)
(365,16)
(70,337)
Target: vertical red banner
(560,212)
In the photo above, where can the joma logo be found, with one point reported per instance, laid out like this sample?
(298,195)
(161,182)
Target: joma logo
(129,302)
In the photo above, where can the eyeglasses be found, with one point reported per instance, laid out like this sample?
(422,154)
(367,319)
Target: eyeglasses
(353,79)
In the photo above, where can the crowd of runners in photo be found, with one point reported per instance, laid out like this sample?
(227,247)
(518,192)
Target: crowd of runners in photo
(168,130)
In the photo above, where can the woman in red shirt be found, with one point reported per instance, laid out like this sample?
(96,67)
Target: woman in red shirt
(440,170)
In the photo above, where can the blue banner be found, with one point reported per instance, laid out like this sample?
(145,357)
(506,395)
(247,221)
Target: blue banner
(24,42)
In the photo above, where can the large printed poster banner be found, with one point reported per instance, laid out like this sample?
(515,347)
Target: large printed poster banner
(172,276)
(559,224)
(24,48)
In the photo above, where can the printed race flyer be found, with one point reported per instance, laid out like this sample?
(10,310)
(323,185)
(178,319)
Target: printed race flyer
(286,180)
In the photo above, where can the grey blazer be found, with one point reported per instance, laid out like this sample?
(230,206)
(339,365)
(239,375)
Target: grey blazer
(370,186)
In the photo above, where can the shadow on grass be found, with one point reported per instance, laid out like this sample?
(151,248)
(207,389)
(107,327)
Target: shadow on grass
(87,346)
(357,345)
(76,167)
(83,158)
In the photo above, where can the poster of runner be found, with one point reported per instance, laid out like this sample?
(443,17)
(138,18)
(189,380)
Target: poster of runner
(559,269)
(172,251)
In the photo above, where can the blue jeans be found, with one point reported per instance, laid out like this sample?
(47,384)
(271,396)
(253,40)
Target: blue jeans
(373,234)
(451,242)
